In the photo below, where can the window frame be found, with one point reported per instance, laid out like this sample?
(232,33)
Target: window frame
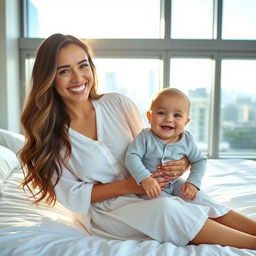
(165,49)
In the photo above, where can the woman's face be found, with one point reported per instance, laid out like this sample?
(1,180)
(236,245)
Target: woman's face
(74,77)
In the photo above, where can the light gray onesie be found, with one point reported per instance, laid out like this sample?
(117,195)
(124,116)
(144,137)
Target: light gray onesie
(147,151)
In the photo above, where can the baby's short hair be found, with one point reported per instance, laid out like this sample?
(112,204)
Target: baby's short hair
(169,91)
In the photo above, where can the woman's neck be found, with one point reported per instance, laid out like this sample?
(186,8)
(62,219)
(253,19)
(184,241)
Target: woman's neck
(83,119)
(80,110)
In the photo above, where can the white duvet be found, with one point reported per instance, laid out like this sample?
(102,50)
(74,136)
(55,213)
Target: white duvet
(28,230)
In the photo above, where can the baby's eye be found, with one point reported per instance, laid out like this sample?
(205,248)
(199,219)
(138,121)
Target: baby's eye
(161,113)
(177,115)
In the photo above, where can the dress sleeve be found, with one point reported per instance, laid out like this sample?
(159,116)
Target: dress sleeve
(73,193)
(133,115)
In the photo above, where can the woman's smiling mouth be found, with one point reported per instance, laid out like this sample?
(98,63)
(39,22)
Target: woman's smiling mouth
(77,89)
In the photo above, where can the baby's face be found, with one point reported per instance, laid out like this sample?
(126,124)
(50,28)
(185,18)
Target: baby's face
(169,116)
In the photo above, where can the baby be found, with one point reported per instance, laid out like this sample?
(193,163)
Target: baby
(164,141)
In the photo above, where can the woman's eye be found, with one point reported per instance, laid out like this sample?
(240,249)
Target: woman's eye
(83,66)
(63,71)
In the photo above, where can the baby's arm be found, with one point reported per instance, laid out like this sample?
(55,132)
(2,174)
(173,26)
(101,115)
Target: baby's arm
(151,186)
(198,166)
(134,158)
(198,163)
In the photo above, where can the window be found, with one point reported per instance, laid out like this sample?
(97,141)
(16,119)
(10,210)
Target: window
(194,77)
(238,106)
(206,48)
(136,78)
(94,19)
(192,19)
(239,19)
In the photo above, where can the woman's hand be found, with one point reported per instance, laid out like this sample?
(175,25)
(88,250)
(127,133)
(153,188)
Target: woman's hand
(162,181)
(174,169)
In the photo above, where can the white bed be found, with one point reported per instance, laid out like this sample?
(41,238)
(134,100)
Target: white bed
(28,230)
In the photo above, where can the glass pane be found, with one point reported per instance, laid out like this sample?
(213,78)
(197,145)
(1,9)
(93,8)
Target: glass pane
(239,19)
(192,19)
(194,77)
(94,18)
(238,107)
(138,79)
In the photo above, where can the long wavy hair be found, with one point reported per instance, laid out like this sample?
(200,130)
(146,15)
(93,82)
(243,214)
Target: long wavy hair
(45,121)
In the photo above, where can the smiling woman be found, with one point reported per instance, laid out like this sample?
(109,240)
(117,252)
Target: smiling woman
(44,112)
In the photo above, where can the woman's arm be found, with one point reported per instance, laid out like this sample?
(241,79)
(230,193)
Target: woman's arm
(106,191)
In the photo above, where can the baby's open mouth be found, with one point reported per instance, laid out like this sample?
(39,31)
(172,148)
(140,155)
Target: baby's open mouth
(167,127)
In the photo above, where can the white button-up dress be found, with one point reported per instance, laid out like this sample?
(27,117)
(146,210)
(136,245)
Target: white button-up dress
(125,217)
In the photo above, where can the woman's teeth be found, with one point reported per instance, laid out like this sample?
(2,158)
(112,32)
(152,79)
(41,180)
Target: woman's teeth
(77,89)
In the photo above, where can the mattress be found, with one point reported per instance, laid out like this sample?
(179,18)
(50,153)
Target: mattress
(30,230)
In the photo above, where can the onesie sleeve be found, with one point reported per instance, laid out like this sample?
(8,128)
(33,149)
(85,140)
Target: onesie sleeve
(134,156)
(73,193)
(198,163)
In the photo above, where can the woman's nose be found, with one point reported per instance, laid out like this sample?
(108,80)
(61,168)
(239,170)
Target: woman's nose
(77,76)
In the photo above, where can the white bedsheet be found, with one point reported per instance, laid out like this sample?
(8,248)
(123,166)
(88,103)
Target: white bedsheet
(28,230)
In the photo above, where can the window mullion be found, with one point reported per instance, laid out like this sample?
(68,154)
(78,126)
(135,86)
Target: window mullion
(166,69)
(219,18)
(214,120)
(166,18)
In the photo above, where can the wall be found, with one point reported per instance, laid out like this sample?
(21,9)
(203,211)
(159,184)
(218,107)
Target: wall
(9,65)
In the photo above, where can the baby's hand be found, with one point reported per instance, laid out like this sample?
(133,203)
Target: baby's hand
(151,186)
(189,191)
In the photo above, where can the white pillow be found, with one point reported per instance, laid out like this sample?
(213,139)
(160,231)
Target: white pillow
(8,163)
(13,141)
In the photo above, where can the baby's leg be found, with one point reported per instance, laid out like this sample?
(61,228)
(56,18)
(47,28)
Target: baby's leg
(215,209)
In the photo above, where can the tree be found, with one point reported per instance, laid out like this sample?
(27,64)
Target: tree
(241,138)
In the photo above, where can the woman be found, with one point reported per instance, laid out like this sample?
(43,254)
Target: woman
(75,145)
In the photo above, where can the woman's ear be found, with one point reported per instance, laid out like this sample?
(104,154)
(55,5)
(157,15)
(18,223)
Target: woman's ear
(149,116)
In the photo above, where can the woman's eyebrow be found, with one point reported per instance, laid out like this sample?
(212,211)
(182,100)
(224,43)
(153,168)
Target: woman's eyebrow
(85,60)
(66,66)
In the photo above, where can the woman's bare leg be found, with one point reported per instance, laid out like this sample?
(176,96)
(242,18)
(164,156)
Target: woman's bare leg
(238,221)
(215,233)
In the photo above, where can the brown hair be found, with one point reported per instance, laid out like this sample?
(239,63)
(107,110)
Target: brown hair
(45,122)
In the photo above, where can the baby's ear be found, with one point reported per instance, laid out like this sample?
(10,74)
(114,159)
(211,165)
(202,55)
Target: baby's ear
(149,116)
(188,120)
